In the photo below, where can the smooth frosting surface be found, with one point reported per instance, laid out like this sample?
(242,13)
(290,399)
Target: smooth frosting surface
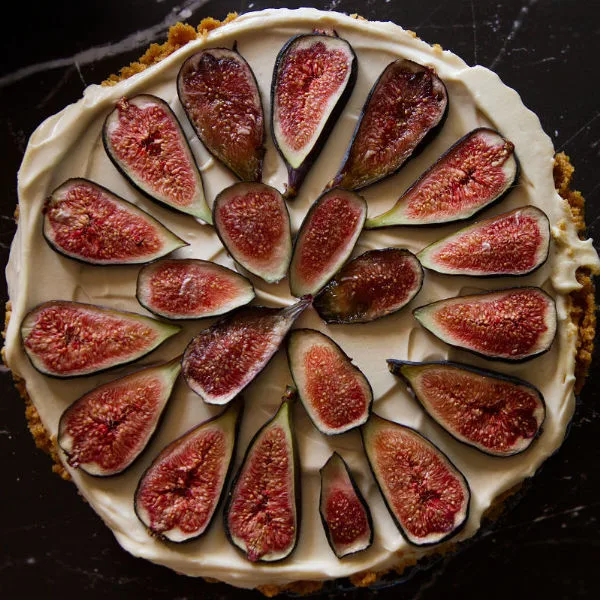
(69,145)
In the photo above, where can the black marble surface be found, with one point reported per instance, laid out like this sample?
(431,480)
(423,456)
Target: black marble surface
(53,545)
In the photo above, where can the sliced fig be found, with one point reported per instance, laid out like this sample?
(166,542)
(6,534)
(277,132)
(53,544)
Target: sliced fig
(373,285)
(70,339)
(223,359)
(325,240)
(495,413)
(313,79)
(144,140)
(475,172)
(407,104)
(335,393)
(262,512)
(85,221)
(345,514)
(191,289)
(104,431)
(427,496)
(219,93)
(513,324)
(513,243)
(179,494)
(253,223)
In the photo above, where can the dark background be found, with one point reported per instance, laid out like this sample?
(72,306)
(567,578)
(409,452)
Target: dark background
(548,545)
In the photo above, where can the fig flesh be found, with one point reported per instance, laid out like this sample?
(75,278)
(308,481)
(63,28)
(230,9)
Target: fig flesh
(345,514)
(513,243)
(475,172)
(219,93)
(334,392)
(71,339)
(262,512)
(325,240)
(191,289)
(104,431)
(84,221)
(494,413)
(313,79)
(223,359)
(253,223)
(144,140)
(513,324)
(180,492)
(373,285)
(427,496)
(407,104)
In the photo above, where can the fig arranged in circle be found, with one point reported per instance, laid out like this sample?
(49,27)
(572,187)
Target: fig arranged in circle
(494,413)
(223,359)
(219,93)
(334,392)
(407,104)
(325,240)
(477,171)
(513,324)
(373,285)
(104,431)
(345,514)
(427,496)
(262,512)
(179,494)
(513,243)
(87,222)
(144,140)
(71,339)
(313,79)
(252,221)
(191,289)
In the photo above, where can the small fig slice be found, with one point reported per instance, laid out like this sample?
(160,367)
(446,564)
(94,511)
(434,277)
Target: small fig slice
(475,172)
(219,93)
(223,359)
(513,243)
(179,494)
(494,413)
(427,496)
(373,285)
(335,393)
(407,104)
(313,78)
(87,222)
(253,223)
(191,289)
(262,512)
(104,431)
(70,339)
(513,324)
(144,140)
(345,514)
(325,240)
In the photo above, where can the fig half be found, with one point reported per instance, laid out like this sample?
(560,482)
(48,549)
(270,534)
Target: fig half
(334,392)
(313,79)
(373,285)
(179,494)
(494,413)
(262,513)
(144,140)
(513,324)
(104,431)
(427,496)
(70,339)
(407,104)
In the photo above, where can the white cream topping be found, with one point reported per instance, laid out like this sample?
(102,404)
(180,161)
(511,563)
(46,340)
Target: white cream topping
(69,145)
